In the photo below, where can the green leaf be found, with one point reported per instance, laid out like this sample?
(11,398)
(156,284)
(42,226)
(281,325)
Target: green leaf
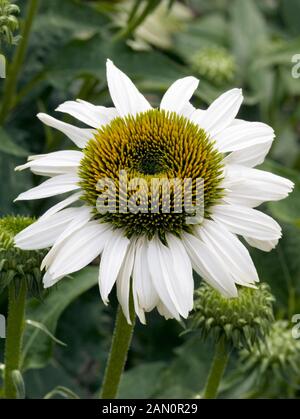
(44,329)
(207,30)
(262,81)
(58,22)
(80,367)
(80,18)
(292,85)
(142,381)
(186,375)
(248,31)
(281,269)
(42,381)
(183,377)
(37,345)
(280,54)
(285,149)
(61,391)
(19,384)
(14,184)
(290,12)
(88,58)
(8,146)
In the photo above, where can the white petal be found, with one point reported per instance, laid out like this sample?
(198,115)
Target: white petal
(123,282)
(163,311)
(241,136)
(93,116)
(265,245)
(61,205)
(208,266)
(250,156)
(220,113)
(178,95)
(55,186)
(36,156)
(59,162)
(142,285)
(83,216)
(230,250)
(195,115)
(126,97)
(43,233)
(162,271)
(239,122)
(79,249)
(183,278)
(251,187)
(188,110)
(111,262)
(106,114)
(49,280)
(79,136)
(247,222)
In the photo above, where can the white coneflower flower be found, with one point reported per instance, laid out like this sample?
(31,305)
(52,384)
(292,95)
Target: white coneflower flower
(158,251)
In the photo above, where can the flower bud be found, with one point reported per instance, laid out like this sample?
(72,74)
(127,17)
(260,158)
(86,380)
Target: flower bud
(16,264)
(277,355)
(8,21)
(239,320)
(215,64)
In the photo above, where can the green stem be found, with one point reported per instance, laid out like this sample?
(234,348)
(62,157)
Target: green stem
(217,370)
(133,24)
(16,66)
(118,354)
(14,336)
(133,11)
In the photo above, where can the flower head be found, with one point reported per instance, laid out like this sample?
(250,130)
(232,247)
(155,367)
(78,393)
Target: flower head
(215,64)
(16,264)
(8,21)
(240,321)
(158,193)
(278,355)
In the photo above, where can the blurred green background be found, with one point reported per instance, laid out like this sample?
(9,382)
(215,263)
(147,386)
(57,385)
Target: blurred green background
(226,43)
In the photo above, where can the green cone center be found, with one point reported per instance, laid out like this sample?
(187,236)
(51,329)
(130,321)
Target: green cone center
(154,145)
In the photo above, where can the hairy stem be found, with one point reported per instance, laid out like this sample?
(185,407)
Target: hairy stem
(14,336)
(217,370)
(118,354)
(16,66)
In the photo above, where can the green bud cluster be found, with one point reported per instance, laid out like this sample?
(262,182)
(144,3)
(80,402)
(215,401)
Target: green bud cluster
(277,355)
(240,321)
(16,264)
(8,22)
(215,64)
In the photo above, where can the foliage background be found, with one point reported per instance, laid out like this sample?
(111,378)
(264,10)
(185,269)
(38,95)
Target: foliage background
(68,47)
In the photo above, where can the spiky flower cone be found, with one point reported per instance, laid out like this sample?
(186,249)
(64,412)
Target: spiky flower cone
(15,264)
(8,21)
(239,321)
(278,356)
(215,64)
